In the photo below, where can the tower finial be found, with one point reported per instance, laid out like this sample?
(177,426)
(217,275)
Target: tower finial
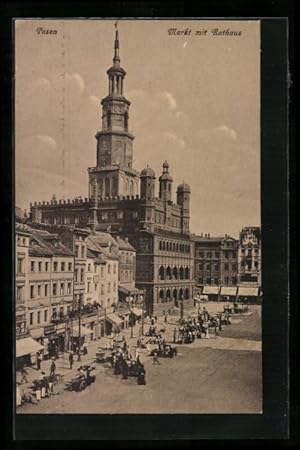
(116,55)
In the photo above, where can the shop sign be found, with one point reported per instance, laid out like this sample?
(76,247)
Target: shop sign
(60,327)
(50,329)
(21,328)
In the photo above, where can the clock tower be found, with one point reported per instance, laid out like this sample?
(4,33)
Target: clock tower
(113,175)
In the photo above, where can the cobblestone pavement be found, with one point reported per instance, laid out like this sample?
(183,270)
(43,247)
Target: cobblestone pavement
(217,375)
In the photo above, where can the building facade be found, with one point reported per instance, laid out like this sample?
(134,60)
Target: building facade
(216,265)
(21,279)
(249,262)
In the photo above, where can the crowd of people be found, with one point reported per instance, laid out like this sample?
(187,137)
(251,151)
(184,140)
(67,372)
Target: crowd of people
(124,364)
(193,328)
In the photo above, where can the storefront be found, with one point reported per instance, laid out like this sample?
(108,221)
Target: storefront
(248,294)
(113,323)
(79,337)
(91,324)
(228,293)
(212,292)
(26,348)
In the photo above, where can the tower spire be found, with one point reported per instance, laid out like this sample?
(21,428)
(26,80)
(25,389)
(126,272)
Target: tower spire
(117,44)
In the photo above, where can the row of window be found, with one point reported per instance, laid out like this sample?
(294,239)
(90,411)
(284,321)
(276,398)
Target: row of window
(126,275)
(249,251)
(174,247)
(174,273)
(201,254)
(109,285)
(43,316)
(44,266)
(57,289)
(216,281)
(216,267)
(175,294)
(208,255)
(248,265)
(53,220)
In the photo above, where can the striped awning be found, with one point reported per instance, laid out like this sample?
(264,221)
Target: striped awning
(114,319)
(248,291)
(211,290)
(228,290)
(27,346)
(137,312)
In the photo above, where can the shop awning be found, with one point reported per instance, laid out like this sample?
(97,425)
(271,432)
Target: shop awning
(83,331)
(226,290)
(248,291)
(114,319)
(137,312)
(211,290)
(129,291)
(26,346)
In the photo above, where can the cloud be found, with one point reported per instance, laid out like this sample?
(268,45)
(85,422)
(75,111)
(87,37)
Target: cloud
(220,130)
(229,132)
(172,137)
(48,140)
(170,99)
(78,80)
(94,99)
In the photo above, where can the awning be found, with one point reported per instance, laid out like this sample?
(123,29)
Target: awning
(129,291)
(247,291)
(114,319)
(211,290)
(137,312)
(83,331)
(226,290)
(26,346)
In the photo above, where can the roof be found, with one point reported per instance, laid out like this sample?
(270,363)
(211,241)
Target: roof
(96,256)
(103,243)
(184,187)
(123,244)
(147,172)
(166,176)
(47,244)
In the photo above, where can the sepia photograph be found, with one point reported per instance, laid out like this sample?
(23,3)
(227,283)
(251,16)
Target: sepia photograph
(138,261)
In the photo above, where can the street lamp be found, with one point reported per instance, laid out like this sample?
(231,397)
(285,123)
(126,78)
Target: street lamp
(79,327)
(181,308)
(143,311)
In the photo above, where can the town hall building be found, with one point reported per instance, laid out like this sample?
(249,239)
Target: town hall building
(123,201)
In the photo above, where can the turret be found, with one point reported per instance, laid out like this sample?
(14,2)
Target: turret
(165,184)
(183,200)
(147,184)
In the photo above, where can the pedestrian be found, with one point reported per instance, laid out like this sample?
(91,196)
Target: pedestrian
(24,376)
(71,359)
(39,360)
(166,318)
(52,371)
(175,335)
(85,350)
(155,318)
(124,370)
(155,357)
(141,378)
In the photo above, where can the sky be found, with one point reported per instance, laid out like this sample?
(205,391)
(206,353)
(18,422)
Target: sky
(195,101)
